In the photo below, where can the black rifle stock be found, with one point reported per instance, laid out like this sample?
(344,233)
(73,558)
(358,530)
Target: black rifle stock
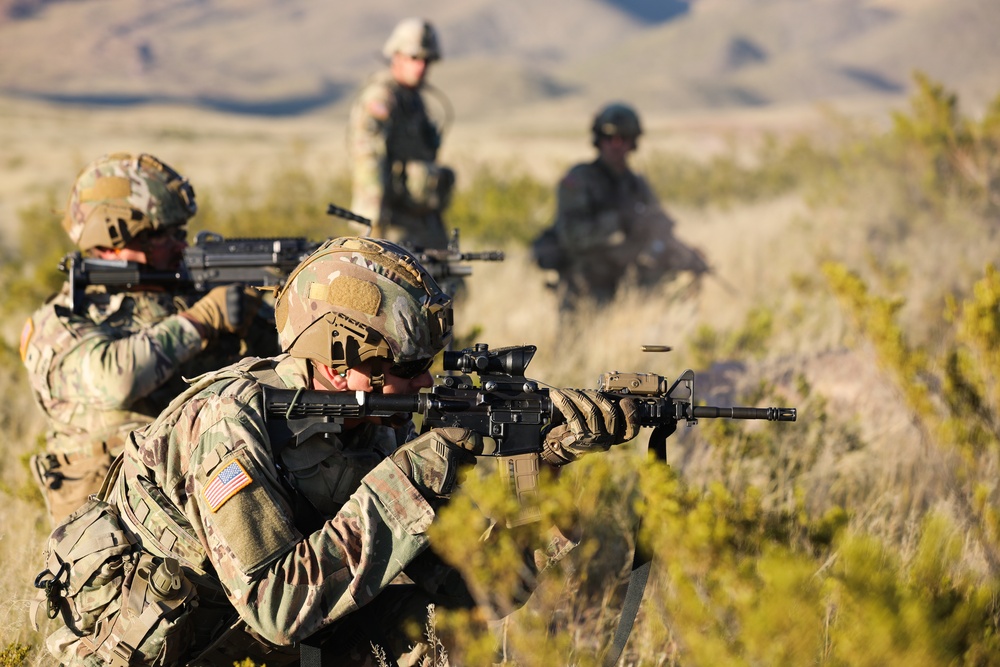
(505,407)
(441,263)
(211,261)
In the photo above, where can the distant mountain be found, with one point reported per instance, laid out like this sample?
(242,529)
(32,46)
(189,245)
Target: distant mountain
(282,57)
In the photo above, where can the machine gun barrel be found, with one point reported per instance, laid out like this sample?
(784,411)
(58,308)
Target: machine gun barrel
(457,256)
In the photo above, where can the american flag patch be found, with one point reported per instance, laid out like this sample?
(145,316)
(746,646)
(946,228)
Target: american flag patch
(225,484)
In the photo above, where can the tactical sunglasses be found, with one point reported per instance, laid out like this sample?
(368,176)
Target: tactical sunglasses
(161,236)
(409,370)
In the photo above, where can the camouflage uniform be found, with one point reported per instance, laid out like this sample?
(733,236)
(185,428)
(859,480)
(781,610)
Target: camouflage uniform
(397,181)
(289,573)
(602,224)
(320,538)
(117,361)
(99,375)
(609,224)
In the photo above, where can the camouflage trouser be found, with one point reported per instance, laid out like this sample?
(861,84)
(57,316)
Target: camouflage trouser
(394,622)
(66,480)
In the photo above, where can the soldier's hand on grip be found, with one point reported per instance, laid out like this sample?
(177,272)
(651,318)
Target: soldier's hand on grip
(432,460)
(227,308)
(591,422)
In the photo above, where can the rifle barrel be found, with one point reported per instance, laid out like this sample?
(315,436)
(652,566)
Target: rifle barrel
(483,256)
(770,414)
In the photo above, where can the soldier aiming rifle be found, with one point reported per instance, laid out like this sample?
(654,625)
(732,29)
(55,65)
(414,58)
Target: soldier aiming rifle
(279,509)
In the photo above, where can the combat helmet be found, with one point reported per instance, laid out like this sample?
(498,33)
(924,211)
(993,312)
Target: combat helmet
(120,195)
(616,119)
(356,299)
(414,37)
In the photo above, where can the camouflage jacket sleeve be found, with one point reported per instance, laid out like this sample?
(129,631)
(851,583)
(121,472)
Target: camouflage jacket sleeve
(287,586)
(110,369)
(651,220)
(587,218)
(369,126)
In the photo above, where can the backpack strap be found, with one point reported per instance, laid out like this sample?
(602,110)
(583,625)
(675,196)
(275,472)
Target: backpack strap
(160,525)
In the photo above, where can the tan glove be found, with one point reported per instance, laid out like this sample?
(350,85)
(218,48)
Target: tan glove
(227,308)
(432,460)
(591,422)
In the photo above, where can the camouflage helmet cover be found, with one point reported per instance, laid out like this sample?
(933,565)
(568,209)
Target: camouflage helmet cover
(414,37)
(616,120)
(120,195)
(358,298)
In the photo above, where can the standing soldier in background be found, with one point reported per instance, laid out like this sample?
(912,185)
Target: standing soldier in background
(397,182)
(114,359)
(609,222)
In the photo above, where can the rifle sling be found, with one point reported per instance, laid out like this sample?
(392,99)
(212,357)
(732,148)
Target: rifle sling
(642,560)
(633,597)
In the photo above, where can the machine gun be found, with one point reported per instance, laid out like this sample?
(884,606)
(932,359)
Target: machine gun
(441,263)
(212,261)
(505,407)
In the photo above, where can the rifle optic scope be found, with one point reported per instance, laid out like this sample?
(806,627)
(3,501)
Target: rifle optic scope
(511,361)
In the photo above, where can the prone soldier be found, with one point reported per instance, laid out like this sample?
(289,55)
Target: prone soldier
(116,359)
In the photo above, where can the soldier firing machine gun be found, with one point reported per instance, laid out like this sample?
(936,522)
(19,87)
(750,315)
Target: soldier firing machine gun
(214,260)
(210,262)
(441,263)
(505,407)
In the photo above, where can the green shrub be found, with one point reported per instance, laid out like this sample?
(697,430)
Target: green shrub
(750,341)
(503,208)
(14,654)
(292,203)
(30,270)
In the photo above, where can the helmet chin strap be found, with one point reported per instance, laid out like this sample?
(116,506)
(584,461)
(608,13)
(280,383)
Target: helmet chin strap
(319,377)
(377,376)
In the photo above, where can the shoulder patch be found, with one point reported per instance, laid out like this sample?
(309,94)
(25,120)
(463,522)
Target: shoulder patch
(26,333)
(224,485)
(377,109)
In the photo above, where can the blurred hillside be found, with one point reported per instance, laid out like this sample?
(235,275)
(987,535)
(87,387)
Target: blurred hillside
(224,87)
(285,57)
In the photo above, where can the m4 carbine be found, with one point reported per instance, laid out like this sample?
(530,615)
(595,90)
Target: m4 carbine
(504,406)
(441,263)
(212,261)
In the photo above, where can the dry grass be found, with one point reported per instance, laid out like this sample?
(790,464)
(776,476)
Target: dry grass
(855,443)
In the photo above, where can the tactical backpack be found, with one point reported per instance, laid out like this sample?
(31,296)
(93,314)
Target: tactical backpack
(546,251)
(117,604)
